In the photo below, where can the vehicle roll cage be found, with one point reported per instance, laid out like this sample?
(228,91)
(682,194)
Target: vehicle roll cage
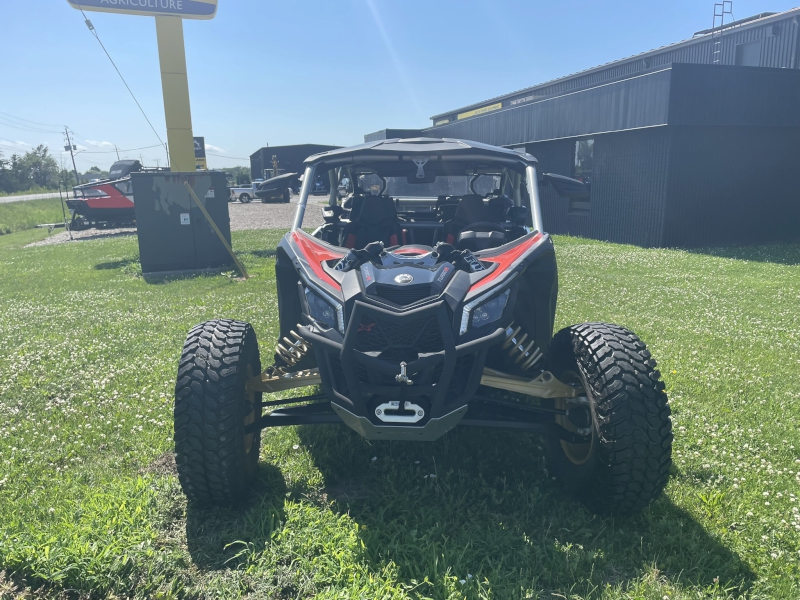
(531,181)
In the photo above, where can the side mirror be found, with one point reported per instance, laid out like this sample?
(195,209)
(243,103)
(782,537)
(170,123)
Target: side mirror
(566,187)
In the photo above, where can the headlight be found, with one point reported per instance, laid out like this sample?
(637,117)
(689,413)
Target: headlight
(325,312)
(487,311)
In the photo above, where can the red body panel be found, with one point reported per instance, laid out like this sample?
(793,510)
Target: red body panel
(315,254)
(505,260)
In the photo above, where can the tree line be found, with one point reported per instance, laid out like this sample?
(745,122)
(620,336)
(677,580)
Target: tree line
(36,169)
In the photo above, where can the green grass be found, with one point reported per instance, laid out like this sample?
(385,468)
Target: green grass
(33,190)
(27,214)
(89,502)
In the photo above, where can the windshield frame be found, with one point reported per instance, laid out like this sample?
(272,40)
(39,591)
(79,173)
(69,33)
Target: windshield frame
(530,180)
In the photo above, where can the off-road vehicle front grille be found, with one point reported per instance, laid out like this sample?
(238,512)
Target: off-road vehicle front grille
(403,295)
(377,334)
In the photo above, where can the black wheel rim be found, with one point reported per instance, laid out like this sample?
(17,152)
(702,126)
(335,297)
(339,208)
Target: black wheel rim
(577,454)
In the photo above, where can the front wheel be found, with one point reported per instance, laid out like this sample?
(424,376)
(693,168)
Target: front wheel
(217,458)
(625,464)
(287,195)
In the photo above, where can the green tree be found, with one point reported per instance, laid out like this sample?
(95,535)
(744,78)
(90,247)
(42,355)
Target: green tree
(67,178)
(6,178)
(19,174)
(94,173)
(240,175)
(36,168)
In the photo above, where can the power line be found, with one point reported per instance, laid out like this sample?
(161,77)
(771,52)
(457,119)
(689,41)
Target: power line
(97,37)
(28,120)
(22,127)
(120,150)
(223,156)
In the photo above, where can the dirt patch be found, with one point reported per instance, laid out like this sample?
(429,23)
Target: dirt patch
(16,588)
(164,466)
(345,492)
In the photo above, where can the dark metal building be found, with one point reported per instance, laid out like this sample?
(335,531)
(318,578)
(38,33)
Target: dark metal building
(388,134)
(290,158)
(692,144)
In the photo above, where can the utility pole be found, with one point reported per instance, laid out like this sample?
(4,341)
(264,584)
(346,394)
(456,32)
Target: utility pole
(70,147)
(117,151)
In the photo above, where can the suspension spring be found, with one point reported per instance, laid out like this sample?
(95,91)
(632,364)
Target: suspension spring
(292,351)
(524,355)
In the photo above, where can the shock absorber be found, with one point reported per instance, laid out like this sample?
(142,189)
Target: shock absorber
(524,355)
(292,351)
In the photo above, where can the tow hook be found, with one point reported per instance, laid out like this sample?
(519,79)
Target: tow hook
(387,412)
(403,376)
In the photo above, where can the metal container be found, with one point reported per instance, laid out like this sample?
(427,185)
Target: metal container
(174,234)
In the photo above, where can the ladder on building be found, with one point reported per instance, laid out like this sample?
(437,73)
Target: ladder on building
(721,10)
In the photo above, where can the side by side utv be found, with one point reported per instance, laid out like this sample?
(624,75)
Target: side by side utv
(432,282)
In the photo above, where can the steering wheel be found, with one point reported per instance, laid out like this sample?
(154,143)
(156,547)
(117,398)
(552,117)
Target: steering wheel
(484,226)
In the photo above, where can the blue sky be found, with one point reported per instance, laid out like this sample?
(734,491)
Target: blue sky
(308,71)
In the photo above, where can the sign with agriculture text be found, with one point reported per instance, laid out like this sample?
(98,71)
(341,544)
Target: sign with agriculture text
(188,9)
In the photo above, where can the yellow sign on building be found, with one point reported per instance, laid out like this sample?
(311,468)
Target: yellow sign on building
(480,111)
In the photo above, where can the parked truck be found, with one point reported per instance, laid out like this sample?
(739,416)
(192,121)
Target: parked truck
(245,193)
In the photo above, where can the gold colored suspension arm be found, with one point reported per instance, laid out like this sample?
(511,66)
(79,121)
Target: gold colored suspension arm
(275,380)
(544,386)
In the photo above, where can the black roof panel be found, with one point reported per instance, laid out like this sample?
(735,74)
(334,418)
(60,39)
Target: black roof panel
(444,147)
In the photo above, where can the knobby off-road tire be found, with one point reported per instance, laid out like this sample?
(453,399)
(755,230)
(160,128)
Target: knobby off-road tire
(217,461)
(626,465)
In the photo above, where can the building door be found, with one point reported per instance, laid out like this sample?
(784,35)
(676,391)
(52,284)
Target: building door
(749,54)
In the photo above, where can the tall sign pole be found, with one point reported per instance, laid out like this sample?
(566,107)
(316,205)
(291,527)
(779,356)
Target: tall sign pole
(175,86)
(169,16)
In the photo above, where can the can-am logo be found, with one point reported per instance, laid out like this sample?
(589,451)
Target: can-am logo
(403,278)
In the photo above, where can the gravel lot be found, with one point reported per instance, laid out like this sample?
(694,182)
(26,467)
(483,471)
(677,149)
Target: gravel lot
(255,215)
(275,216)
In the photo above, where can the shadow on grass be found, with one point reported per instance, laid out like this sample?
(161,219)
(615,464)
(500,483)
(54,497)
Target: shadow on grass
(117,264)
(269,253)
(479,502)
(216,535)
(781,254)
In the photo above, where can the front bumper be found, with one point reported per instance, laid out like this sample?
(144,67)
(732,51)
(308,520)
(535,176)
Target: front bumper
(360,374)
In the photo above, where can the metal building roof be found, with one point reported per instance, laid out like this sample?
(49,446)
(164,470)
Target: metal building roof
(700,37)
